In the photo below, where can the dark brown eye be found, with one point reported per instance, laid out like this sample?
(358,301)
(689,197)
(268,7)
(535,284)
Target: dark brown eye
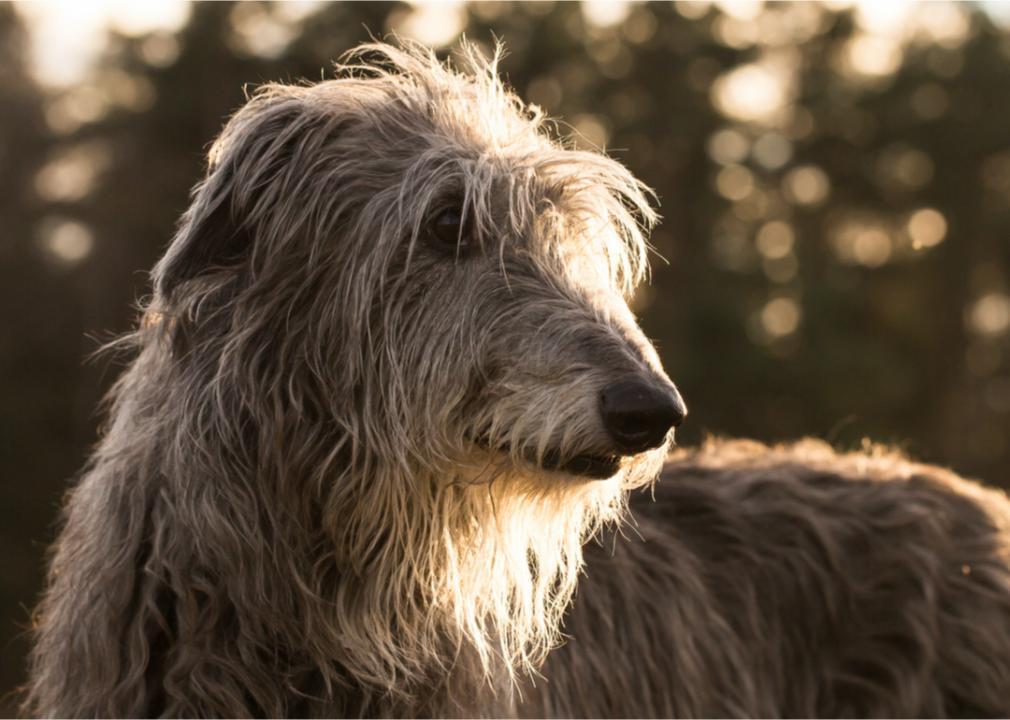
(449,232)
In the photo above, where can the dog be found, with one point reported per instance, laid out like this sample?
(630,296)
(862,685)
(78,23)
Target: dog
(375,451)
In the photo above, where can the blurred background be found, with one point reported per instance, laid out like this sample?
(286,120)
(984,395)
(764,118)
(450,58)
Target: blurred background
(834,258)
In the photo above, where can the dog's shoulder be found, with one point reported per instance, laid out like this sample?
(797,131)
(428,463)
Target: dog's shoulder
(859,564)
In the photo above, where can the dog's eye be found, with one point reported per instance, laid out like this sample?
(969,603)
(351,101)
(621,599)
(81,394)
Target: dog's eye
(449,232)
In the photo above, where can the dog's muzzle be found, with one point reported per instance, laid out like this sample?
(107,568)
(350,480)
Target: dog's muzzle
(639,415)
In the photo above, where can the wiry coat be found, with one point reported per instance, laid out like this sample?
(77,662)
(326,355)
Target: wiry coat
(792,582)
(333,479)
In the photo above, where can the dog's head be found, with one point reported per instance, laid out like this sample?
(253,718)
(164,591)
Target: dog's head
(399,309)
(419,260)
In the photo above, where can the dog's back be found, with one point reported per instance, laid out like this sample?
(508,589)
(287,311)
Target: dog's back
(793,582)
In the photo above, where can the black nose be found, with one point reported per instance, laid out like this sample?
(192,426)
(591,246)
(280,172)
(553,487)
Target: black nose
(638,415)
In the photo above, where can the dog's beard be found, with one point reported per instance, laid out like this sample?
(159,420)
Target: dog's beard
(512,568)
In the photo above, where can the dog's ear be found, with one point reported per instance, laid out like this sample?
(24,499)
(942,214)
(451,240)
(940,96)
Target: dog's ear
(218,230)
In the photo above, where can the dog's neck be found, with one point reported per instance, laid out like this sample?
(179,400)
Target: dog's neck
(472,589)
(390,585)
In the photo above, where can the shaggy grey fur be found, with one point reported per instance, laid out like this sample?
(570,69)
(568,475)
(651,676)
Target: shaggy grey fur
(793,582)
(338,477)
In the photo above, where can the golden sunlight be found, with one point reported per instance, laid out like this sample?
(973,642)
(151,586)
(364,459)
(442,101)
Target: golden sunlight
(66,241)
(756,92)
(926,227)
(781,317)
(806,185)
(605,13)
(990,315)
(433,23)
(67,35)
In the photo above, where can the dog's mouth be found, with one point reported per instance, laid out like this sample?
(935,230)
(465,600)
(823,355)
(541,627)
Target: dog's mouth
(596,467)
(587,465)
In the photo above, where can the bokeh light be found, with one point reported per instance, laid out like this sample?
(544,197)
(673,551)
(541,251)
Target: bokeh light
(780,317)
(71,175)
(756,92)
(806,185)
(68,35)
(66,241)
(990,314)
(433,23)
(927,228)
(775,240)
(606,13)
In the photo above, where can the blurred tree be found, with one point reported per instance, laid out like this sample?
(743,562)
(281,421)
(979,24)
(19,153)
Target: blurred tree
(36,432)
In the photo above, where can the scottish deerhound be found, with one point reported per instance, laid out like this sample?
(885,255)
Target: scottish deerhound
(388,405)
